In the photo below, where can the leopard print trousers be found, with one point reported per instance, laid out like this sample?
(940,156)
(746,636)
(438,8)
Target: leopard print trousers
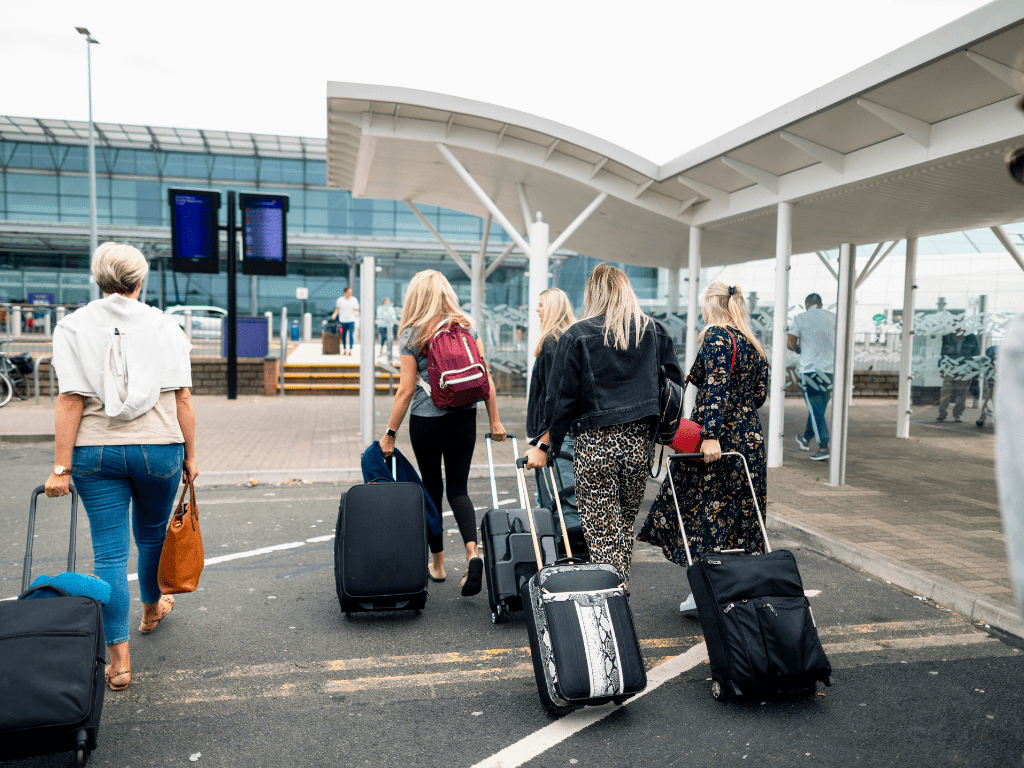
(611,474)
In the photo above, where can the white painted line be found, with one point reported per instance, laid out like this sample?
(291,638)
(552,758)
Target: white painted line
(812,592)
(316,539)
(278,499)
(539,742)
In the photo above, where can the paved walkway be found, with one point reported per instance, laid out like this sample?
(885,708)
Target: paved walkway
(922,513)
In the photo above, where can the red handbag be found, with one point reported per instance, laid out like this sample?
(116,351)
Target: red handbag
(688,439)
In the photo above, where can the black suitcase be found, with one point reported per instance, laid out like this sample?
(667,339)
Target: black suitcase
(582,639)
(758,625)
(380,548)
(509,559)
(565,484)
(52,657)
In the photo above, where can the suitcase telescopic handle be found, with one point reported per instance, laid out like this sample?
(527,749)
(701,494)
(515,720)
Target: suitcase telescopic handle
(675,497)
(521,479)
(26,573)
(490,467)
(558,504)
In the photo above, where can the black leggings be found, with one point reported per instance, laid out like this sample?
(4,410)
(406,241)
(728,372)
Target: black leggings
(453,437)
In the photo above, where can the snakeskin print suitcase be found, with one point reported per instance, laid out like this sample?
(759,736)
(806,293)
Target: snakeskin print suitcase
(582,639)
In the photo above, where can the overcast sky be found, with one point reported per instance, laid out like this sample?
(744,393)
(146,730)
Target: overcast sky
(658,77)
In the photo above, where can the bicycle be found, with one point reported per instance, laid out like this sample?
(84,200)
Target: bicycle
(13,378)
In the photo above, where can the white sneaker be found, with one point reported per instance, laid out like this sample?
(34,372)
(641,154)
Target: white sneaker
(688,607)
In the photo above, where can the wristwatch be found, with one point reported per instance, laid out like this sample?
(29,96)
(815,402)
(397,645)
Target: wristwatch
(543,446)
(60,469)
(391,432)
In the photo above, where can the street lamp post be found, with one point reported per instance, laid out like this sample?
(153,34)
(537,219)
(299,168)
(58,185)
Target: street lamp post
(94,290)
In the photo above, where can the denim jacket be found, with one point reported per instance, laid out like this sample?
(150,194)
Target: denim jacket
(593,384)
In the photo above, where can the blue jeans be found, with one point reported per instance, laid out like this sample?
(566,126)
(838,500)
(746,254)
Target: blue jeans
(108,477)
(817,388)
(348,330)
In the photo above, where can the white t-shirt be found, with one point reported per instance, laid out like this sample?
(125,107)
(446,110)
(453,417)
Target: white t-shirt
(816,331)
(347,309)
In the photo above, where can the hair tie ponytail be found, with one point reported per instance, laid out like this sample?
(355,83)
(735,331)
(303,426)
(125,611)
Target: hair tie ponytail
(732,290)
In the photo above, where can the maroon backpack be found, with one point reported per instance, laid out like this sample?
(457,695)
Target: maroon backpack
(455,367)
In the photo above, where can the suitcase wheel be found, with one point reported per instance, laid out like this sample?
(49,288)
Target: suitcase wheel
(495,617)
(717,691)
(82,749)
(348,614)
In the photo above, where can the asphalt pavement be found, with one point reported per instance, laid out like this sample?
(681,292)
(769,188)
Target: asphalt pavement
(260,666)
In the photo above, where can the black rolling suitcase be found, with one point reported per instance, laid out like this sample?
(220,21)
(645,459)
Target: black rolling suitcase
(582,639)
(52,656)
(509,559)
(380,548)
(757,622)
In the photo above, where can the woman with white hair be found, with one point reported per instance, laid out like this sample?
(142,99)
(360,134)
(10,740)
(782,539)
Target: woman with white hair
(604,388)
(125,431)
(731,375)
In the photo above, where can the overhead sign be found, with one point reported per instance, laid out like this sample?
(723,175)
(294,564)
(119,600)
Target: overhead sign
(264,234)
(195,238)
(302,293)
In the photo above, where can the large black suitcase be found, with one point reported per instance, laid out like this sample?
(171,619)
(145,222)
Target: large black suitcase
(509,558)
(52,658)
(582,639)
(380,548)
(758,625)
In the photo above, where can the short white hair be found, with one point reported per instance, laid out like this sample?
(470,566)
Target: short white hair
(118,268)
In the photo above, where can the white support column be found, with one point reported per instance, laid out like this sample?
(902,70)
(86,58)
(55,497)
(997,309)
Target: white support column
(478,277)
(539,247)
(843,368)
(1004,238)
(367,367)
(692,311)
(673,290)
(903,405)
(777,390)
(577,223)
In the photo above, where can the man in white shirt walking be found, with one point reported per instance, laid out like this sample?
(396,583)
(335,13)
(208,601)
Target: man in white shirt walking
(346,310)
(813,336)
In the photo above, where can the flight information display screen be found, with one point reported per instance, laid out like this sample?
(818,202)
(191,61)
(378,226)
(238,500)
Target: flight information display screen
(264,234)
(195,238)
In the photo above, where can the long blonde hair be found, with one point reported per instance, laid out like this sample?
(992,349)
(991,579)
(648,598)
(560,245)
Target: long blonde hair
(429,300)
(724,305)
(608,292)
(555,316)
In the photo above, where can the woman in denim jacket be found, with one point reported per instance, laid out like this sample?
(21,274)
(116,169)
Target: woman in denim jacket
(604,388)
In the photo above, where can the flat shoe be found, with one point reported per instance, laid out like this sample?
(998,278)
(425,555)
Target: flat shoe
(432,578)
(148,626)
(471,586)
(109,676)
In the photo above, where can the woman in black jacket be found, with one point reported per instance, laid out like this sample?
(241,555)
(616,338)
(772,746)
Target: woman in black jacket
(604,388)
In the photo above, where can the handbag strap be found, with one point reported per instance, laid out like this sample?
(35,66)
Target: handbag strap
(179,510)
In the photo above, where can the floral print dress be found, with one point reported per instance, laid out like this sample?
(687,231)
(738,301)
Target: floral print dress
(714,499)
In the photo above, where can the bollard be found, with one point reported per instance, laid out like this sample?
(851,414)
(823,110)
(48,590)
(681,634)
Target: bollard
(270,328)
(46,322)
(307,327)
(61,313)
(188,324)
(16,322)
(284,345)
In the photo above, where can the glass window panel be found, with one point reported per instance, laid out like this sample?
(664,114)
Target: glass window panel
(175,165)
(24,206)
(124,161)
(36,184)
(338,198)
(318,218)
(103,208)
(77,159)
(270,169)
(223,167)
(41,157)
(102,186)
(384,223)
(362,217)
(291,171)
(317,198)
(123,211)
(245,168)
(145,163)
(74,185)
(337,220)
(316,172)
(73,204)
(122,188)
(195,166)
(148,204)
(20,154)
(459,225)
(407,225)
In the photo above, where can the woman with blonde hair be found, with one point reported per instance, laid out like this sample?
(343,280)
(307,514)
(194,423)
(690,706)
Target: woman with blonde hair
(604,387)
(714,497)
(436,434)
(125,431)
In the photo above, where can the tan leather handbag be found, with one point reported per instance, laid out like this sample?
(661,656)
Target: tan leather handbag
(181,560)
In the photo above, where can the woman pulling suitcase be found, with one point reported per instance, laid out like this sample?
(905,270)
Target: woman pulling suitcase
(436,434)
(598,388)
(714,497)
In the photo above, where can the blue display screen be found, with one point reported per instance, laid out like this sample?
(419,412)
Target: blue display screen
(263,228)
(194,221)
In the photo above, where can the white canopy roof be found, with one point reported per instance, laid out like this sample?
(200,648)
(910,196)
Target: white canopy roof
(910,144)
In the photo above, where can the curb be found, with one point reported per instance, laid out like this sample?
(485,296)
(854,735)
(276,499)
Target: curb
(967,602)
(27,438)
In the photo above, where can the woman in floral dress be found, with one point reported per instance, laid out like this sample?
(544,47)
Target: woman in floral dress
(714,498)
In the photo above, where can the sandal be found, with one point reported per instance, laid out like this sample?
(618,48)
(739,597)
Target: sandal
(109,676)
(148,626)
(471,586)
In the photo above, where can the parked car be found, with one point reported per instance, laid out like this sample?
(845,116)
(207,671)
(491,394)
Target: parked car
(207,322)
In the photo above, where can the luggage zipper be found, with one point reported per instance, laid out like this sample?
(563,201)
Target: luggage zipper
(729,607)
(46,634)
(772,608)
(713,562)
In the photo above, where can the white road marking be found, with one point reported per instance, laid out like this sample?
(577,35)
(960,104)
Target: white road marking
(316,539)
(539,742)
(812,592)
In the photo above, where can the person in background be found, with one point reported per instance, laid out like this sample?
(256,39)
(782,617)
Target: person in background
(385,320)
(556,315)
(604,388)
(813,336)
(956,367)
(714,497)
(125,431)
(346,310)
(438,435)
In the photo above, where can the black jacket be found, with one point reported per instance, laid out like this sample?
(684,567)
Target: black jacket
(536,401)
(596,385)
